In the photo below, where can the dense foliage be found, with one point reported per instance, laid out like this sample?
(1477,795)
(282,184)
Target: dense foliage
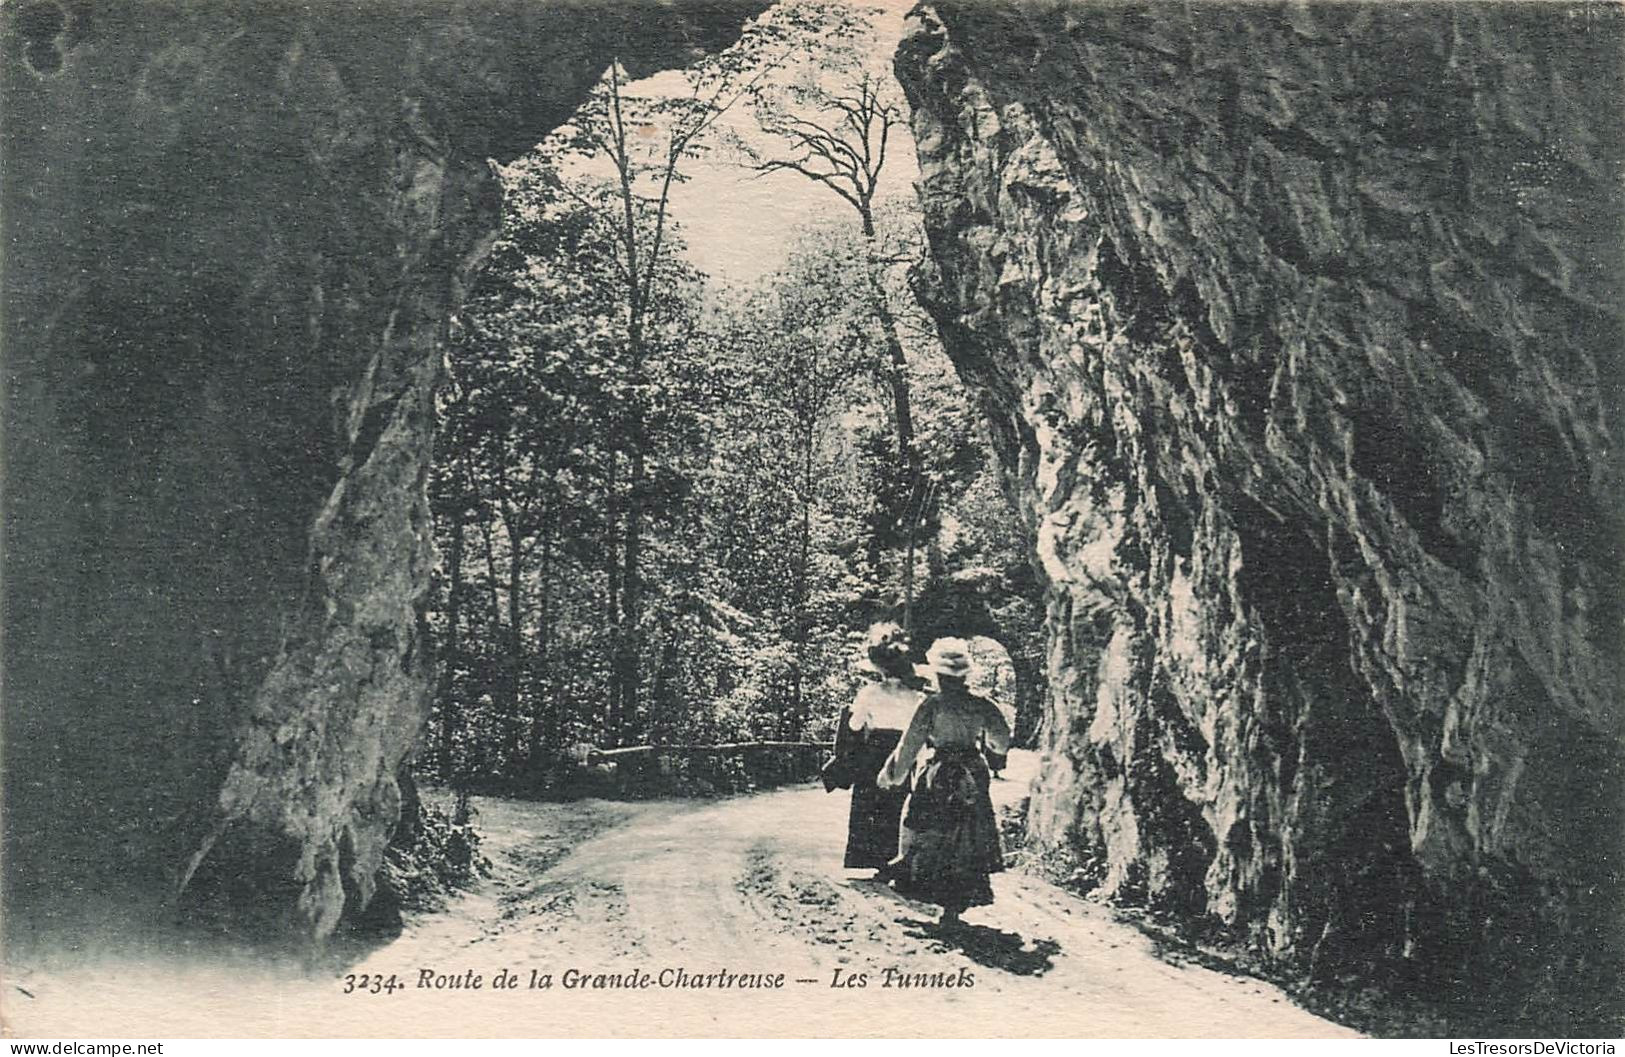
(664,505)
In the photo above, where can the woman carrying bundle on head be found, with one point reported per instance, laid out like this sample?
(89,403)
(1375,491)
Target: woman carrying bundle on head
(869,730)
(951,839)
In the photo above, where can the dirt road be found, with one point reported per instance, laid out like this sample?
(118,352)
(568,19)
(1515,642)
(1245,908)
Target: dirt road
(605,892)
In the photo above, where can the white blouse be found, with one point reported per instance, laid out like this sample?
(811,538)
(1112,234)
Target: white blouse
(957,721)
(886,705)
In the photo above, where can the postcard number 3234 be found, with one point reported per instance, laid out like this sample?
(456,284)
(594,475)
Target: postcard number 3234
(372,983)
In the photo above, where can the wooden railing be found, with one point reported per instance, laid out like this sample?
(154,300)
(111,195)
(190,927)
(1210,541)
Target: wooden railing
(627,751)
(698,770)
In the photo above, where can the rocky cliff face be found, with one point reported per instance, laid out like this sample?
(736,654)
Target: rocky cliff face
(1300,328)
(234,235)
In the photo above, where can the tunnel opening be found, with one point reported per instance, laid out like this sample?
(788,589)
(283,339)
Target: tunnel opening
(676,476)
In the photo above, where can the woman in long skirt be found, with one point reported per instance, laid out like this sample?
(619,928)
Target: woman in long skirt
(950,844)
(869,730)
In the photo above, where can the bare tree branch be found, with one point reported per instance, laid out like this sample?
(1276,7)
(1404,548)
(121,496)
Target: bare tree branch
(886,122)
(827,179)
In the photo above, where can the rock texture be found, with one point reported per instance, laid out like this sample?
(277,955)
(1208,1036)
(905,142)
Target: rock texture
(234,235)
(1299,326)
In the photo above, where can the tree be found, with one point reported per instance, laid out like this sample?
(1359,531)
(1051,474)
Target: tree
(533,437)
(662,505)
(835,132)
(793,365)
(645,140)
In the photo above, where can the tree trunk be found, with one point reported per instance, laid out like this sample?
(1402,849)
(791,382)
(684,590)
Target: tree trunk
(514,663)
(448,666)
(492,581)
(628,657)
(797,710)
(908,455)
(542,657)
(632,594)
(908,565)
(612,575)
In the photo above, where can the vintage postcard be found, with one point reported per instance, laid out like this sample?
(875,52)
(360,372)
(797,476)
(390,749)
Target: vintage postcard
(969,518)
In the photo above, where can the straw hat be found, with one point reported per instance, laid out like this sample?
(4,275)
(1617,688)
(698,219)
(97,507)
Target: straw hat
(884,651)
(949,657)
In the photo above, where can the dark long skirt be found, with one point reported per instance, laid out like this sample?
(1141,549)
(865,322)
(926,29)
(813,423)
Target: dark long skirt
(877,814)
(952,843)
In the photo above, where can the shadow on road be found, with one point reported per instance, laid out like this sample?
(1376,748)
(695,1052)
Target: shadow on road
(988,946)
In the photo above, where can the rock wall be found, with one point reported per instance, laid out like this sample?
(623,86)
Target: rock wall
(234,235)
(1299,327)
